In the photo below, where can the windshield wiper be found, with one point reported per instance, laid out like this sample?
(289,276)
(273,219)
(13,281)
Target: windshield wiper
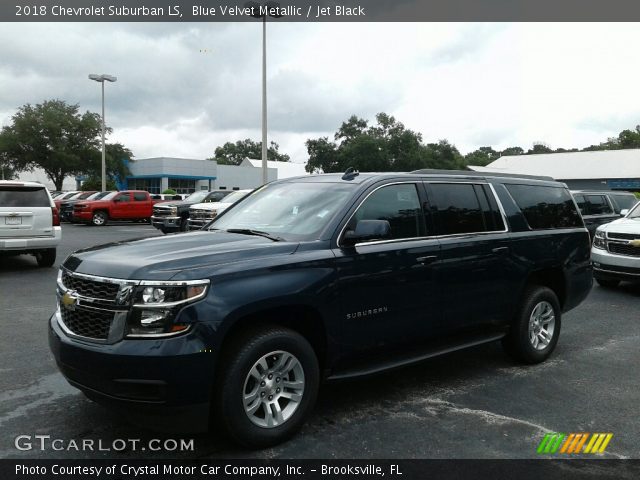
(258,233)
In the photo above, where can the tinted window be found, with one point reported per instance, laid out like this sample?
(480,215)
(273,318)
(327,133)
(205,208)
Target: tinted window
(624,201)
(23,197)
(123,197)
(397,204)
(546,207)
(216,196)
(457,208)
(598,205)
(139,196)
(582,204)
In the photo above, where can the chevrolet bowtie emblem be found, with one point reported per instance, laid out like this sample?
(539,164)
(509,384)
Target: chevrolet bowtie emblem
(635,243)
(69,300)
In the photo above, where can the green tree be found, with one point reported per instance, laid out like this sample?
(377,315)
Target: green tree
(94,183)
(53,136)
(116,157)
(482,156)
(512,151)
(385,146)
(235,153)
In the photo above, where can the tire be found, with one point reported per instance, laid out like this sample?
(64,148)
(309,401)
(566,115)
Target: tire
(46,258)
(539,305)
(293,386)
(184,224)
(99,218)
(606,283)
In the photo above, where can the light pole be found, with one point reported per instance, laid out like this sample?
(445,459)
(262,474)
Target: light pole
(103,78)
(269,9)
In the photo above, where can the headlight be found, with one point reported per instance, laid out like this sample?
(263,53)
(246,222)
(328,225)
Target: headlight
(599,240)
(156,305)
(173,210)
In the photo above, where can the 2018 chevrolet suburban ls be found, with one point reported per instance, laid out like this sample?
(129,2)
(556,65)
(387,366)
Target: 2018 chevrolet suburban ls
(319,278)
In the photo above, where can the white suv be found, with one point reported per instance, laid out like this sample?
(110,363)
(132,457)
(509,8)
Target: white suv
(615,253)
(29,221)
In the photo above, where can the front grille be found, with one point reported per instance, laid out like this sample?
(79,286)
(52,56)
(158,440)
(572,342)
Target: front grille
(90,288)
(623,249)
(624,236)
(202,214)
(88,323)
(163,212)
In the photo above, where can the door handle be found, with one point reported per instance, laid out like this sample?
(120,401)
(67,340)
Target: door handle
(500,250)
(427,260)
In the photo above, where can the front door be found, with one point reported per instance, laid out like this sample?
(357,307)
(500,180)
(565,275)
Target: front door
(387,289)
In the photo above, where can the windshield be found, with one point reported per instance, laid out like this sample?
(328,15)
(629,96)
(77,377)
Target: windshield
(635,213)
(109,196)
(292,211)
(234,197)
(197,197)
(625,201)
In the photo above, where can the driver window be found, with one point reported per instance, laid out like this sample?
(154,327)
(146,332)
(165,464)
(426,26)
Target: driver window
(124,197)
(397,204)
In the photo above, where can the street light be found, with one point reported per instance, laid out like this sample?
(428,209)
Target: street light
(103,78)
(270,9)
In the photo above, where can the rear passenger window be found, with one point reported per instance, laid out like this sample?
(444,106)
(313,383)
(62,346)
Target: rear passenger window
(582,204)
(11,196)
(397,204)
(139,196)
(457,208)
(598,205)
(546,207)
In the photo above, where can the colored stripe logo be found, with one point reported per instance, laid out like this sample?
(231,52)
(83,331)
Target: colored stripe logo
(573,443)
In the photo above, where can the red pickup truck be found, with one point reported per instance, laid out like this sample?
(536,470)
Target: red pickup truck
(126,205)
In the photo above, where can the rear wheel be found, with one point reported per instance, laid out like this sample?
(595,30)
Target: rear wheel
(268,386)
(46,258)
(607,283)
(99,218)
(536,327)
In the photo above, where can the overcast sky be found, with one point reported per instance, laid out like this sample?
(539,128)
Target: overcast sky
(184,89)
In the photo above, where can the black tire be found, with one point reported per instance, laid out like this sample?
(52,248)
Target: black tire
(99,218)
(239,359)
(184,224)
(607,283)
(164,230)
(518,342)
(46,258)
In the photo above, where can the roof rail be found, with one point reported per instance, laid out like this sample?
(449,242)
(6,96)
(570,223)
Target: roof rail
(471,173)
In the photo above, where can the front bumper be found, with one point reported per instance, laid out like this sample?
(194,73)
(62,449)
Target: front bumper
(32,244)
(609,266)
(139,376)
(167,223)
(198,223)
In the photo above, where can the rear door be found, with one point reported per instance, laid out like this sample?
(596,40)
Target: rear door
(121,205)
(142,205)
(599,211)
(25,211)
(474,256)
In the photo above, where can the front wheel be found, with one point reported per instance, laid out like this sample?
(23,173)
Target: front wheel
(268,386)
(536,327)
(99,218)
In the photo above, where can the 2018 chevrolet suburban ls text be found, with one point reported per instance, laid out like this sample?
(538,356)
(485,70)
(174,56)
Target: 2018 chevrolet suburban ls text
(318,278)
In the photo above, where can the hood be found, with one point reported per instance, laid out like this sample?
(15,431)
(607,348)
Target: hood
(172,203)
(209,206)
(160,258)
(623,225)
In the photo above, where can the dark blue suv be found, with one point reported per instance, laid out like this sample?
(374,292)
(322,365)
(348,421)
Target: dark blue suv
(319,278)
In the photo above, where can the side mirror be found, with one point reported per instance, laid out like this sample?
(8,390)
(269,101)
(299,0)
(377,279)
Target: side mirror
(623,212)
(367,230)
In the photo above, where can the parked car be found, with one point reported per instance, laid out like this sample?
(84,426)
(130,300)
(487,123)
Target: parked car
(64,196)
(202,213)
(126,205)
(314,278)
(166,196)
(174,216)
(66,206)
(598,208)
(616,250)
(29,221)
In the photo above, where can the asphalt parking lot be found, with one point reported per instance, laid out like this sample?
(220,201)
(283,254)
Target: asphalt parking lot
(472,404)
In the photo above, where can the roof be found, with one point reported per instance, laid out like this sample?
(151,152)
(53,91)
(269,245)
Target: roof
(285,169)
(20,183)
(597,164)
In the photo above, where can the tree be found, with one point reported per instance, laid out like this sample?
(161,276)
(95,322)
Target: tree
(385,146)
(512,151)
(53,136)
(94,183)
(482,156)
(539,148)
(235,153)
(116,157)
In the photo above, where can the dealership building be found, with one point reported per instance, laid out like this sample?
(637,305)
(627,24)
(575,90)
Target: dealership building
(596,170)
(186,175)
